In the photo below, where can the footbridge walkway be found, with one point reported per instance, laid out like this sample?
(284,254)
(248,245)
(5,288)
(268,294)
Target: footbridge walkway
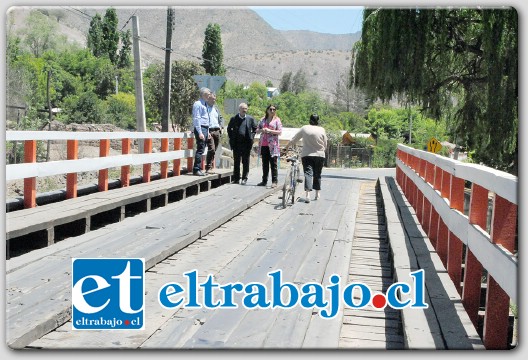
(376,241)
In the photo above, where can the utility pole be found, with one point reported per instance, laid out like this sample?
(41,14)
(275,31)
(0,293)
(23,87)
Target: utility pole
(167,82)
(138,81)
(50,114)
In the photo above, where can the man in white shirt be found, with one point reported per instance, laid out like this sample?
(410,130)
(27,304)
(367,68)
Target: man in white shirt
(216,124)
(200,115)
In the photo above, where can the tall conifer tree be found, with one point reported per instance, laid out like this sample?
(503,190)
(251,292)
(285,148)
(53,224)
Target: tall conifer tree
(212,52)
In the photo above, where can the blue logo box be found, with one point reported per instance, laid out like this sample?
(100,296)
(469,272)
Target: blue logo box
(108,294)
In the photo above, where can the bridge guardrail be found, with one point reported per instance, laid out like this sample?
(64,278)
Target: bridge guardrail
(434,186)
(30,169)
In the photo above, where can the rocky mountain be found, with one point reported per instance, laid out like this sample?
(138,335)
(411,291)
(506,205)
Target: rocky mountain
(253,50)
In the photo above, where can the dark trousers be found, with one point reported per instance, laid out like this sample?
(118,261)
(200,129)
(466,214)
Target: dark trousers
(212,145)
(267,162)
(312,167)
(200,148)
(241,151)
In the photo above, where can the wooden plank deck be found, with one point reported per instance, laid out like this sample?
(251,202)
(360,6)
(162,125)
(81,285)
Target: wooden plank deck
(146,196)
(306,241)
(372,265)
(245,235)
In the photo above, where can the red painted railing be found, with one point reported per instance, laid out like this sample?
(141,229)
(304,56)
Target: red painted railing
(31,169)
(434,186)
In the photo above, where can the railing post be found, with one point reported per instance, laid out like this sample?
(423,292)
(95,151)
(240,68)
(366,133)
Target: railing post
(30,184)
(442,241)
(71,178)
(164,164)
(147,149)
(503,231)
(190,145)
(478,212)
(125,169)
(104,150)
(455,249)
(177,162)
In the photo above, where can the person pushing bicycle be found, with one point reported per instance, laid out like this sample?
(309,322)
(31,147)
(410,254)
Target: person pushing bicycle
(313,154)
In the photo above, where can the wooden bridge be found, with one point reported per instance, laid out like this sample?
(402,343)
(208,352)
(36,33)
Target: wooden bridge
(371,226)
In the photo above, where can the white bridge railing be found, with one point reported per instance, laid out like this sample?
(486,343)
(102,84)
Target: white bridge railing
(434,186)
(31,169)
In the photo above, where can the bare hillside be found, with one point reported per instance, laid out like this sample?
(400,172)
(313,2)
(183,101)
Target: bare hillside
(253,50)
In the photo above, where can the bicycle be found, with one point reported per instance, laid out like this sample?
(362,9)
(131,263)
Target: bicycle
(292,178)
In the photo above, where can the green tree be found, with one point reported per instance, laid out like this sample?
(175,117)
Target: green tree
(385,124)
(299,82)
(183,92)
(95,39)
(124,61)
(111,34)
(212,52)
(103,37)
(121,110)
(458,64)
(40,33)
(286,82)
(86,108)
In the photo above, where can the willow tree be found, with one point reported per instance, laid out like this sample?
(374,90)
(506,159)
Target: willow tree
(212,51)
(460,65)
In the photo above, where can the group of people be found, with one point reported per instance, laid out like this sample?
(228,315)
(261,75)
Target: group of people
(242,128)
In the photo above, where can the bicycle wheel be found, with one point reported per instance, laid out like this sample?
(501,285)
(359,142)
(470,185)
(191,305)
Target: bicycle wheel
(294,184)
(286,189)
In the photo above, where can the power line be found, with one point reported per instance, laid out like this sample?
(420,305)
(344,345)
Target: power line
(81,12)
(131,16)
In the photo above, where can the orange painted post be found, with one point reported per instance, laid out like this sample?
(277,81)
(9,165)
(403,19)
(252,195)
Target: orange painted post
(433,227)
(472,286)
(478,212)
(147,148)
(503,231)
(445,189)
(177,162)
(104,150)
(164,164)
(455,248)
(496,319)
(454,261)
(190,146)
(422,168)
(30,184)
(430,173)
(456,196)
(419,205)
(439,173)
(426,223)
(125,169)
(504,223)
(71,178)
(441,242)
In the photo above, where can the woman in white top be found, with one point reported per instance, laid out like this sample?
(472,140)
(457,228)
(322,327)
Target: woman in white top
(313,154)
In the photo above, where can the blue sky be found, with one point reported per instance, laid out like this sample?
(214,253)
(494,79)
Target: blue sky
(323,19)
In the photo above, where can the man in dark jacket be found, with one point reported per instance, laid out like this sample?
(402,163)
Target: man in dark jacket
(241,131)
